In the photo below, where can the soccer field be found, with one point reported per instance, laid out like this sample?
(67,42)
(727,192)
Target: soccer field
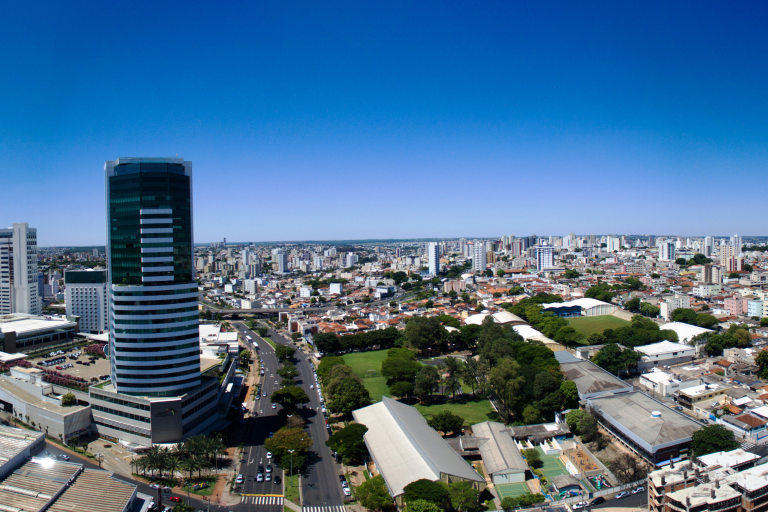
(586,325)
(368,366)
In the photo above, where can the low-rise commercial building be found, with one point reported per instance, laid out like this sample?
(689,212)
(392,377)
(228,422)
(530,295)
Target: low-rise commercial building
(664,353)
(501,456)
(27,333)
(591,380)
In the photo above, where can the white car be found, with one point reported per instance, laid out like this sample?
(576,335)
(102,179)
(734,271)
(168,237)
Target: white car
(580,505)
(274,406)
(346,491)
(269,455)
(638,489)
(311,386)
(259,477)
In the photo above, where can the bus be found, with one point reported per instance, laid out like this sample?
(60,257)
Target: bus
(250,340)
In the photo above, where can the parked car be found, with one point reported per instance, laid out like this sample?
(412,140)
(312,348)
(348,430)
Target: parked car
(269,455)
(175,499)
(638,489)
(239,479)
(580,505)
(622,494)
(277,480)
(268,477)
(64,457)
(598,501)
(346,491)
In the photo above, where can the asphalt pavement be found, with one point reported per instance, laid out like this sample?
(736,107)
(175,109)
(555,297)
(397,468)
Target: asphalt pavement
(639,500)
(320,485)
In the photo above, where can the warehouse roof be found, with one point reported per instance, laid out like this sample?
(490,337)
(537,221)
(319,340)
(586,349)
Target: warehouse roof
(684,331)
(584,303)
(500,317)
(499,452)
(591,379)
(23,324)
(646,421)
(406,449)
(13,441)
(663,347)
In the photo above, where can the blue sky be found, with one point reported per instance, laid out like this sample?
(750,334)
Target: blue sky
(320,120)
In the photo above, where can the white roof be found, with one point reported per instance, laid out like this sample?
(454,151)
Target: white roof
(501,317)
(28,324)
(527,332)
(406,449)
(584,303)
(657,377)
(741,401)
(761,411)
(663,347)
(727,459)
(684,331)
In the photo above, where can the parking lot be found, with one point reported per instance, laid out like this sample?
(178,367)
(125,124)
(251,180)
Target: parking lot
(96,369)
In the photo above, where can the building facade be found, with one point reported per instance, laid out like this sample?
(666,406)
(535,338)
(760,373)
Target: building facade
(479,257)
(19,290)
(86,297)
(545,257)
(433,254)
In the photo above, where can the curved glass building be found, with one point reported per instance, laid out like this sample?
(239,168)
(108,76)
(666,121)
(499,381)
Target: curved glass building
(154,346)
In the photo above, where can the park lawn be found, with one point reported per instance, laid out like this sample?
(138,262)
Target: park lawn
(292,487)
(586,325)
(473,412)
(368,366)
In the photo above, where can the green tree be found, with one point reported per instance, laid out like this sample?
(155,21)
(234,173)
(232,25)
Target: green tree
(684,315)
(571,274)
(425,333)
(654,275)
(288,371)
(711,439)
(532,457)
(573,419)
(289,397)
(350,395)
(633,305)
(446,422)
(373,494)
(421,506)
(613,359)
(747,267)
(507,383)
(285,439)
(733,275)
(400,365)
(706,320)
(680,261)
(531,415)
(401,389)
(68,399)
(284,352)
(649,309)
(262,331)
(245,355)
(326,365)
(424,489)
(463,496)
(764,321)
(570,394)
(349,443)
(426,381)
(509,502)
(588,428)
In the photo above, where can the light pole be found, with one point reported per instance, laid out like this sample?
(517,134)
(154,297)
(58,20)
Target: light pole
(291,452)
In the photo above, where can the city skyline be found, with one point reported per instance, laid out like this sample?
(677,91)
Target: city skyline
(616,118)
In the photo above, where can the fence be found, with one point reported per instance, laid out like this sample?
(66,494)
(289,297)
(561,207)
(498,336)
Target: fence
(590,496)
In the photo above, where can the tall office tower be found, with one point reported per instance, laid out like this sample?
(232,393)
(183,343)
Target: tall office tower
(517,247)
(708,248)
(730,258)
(572,238)
(19,291)
(667,251)
(351,259)
(154,344)
(737,243)
(462,246)
(592,239)
(433,254)
(86,297)
(96,252)
(479,257)
(224,243)
(545,257)
(651,241)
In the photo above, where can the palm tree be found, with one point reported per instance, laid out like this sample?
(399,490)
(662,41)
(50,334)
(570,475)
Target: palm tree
(172,464)
(189,465)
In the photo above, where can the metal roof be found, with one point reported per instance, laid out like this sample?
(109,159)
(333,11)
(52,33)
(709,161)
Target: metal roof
(405,448)
(500,453)
(591,380)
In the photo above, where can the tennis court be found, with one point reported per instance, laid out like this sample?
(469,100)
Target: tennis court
(551,465)
(512,490)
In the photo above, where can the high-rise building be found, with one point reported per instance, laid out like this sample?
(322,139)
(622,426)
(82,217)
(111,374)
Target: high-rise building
(708,247)
(154,345)
(737,243)
(667,251)
(86,297)
(545,257)
(281,259)
(479,257)
(730,258)
(19,291)
(433,253)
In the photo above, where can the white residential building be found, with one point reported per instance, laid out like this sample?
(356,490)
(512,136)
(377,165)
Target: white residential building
(664,353)
(351,259)
(18,270)
(433,254)
(250,286)
(305,292)
(86,297)
(667,251)
(545,257)
(282,262)
(479,257)
(336,289)
(672,303)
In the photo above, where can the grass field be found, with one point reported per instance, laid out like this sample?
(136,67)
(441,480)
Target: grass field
(366,364)
(472,412)
(586,325)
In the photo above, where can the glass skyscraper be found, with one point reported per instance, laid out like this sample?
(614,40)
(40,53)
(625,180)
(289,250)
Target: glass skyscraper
(154,345)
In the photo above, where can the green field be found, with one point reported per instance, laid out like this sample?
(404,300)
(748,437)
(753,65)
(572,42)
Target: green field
(472,412)
(551,465)
(586,325)
(513,490)
(368,366)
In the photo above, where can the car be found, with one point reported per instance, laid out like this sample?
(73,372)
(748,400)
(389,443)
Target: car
(311,386)
(265,393)
(239,479)
(260,477)
(638,489)
(622,494)
(277,480)
(598,501)
(64,457)
(166,490)
(175,499)
(344,485)
(715,404)
(342,478)
(258,397)
(59,368)
(154,486)
(268,477)
(269,468)
(274,406)
(705,421)
(269,455)
(580,505)
(346,491)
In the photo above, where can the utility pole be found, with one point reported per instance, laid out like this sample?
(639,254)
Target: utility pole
(291,452)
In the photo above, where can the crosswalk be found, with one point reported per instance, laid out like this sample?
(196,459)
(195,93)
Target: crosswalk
(256,499)
(338,508)
(747,445)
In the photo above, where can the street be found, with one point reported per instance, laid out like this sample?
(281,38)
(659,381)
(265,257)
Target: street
(320,486)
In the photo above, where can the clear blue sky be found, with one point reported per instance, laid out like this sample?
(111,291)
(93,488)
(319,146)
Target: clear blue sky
(331,120)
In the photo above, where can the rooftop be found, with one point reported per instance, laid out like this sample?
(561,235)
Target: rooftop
(591,379)
(704,494)
(750,479)
(499,452)
(14,441)
(23,324)
(663,347)
(726,459)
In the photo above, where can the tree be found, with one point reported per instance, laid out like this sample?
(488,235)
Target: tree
(573,419)
(349,443)
(509,502)
(424,489)
(764,321)
(507,383)
(613,359)
(289,439)
(570,394)
(747,267)
(532,457)
(289,397)
(463,496)
(706,320)
(401,389)
(684,315)
(633,305)
(649,309)
(453,369)
(571,274)
(654,275)
(421,506)
(326,365)
(423,333)
(628,468)
(681,261)
(350,395)
(284,352)
(471,372)
(531,415)
(588,428)
(326,342)
(373,494)
(733,275)
(68,399)
(711,439)
(500,272)
(262,331)
(245,355)
(426,381)
(446,422)
(400,365)
(288,371)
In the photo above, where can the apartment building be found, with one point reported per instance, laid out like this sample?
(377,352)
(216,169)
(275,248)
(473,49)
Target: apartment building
(669,304)
(19,291)
(86,297)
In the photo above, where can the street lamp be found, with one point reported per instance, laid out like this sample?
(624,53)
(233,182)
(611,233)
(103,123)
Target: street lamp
(291,452)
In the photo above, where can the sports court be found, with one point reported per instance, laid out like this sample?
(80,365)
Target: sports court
(513,490)
(551,465)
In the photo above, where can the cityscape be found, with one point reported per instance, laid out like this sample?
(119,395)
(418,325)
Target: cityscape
(323,329)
